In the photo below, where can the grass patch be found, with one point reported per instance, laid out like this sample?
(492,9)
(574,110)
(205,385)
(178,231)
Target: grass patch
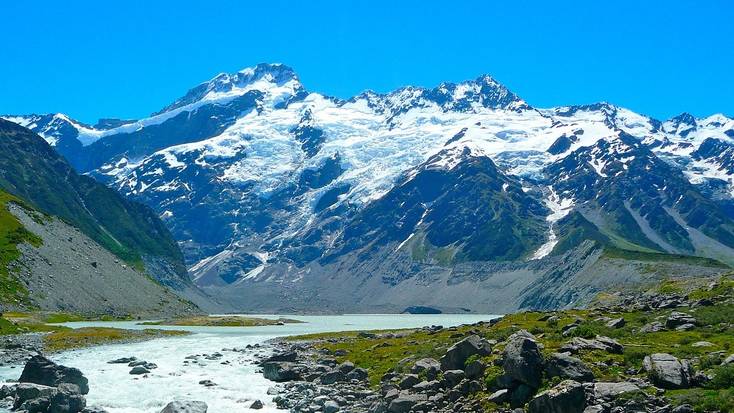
(12,233)
(68,339)
(221,321)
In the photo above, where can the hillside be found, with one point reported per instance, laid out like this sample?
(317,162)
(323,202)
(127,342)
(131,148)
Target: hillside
(33,171)
(49,265)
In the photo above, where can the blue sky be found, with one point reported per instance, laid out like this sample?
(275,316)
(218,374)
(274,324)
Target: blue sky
(128,59)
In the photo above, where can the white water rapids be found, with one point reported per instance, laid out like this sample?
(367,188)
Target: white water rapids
(238,383)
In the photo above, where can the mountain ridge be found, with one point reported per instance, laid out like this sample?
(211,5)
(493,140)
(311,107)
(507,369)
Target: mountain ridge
(283,176)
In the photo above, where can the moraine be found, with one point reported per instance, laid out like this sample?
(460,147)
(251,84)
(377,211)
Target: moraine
(238,380)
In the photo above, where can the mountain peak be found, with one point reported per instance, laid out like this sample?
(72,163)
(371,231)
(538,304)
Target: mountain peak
(225,86)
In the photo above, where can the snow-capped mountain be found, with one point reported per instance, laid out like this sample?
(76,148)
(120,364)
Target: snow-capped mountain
(273,189)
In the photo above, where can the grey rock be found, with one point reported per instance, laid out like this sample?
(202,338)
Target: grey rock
(522,360)
(608,390)
(667,371)
(475,369)
(428,365)
(41,370)
(359,374)
(331,407)
(67,400)
(185,406)
(500,396)
(602,343)
(404,403)
(616,323)
(256,405)
(728,360)
(333,376)
(567,367)
(453,377)
(408,381)
(653,327)
(683,408)
(123,360)
(521,395)
(567,397)
(677,319)
(346,367)
(280,371)
(290,356)
(138,370)
(456,355)
(29,391)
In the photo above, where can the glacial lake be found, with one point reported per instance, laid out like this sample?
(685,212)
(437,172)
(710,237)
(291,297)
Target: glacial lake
(238,383)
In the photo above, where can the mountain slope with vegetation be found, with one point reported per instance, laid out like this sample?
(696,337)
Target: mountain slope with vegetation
(30,169)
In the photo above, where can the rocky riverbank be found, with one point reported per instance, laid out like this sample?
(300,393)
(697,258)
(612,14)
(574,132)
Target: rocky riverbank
(665,351)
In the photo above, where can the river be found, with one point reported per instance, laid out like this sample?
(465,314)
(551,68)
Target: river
(238,383)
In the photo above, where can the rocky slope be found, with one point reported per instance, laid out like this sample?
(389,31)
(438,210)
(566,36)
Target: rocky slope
(666,350)
(284,199)
(68,271)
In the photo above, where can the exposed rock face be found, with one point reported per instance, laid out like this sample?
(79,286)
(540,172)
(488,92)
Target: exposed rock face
(41,370)
(188,406)
(566,397)
(567,367)
(522,360)
(456,355)
(667,371)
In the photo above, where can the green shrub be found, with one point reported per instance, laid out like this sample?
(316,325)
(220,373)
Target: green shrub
(585,330)
(723,378)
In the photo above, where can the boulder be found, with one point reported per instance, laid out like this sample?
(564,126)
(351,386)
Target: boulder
(564,366)
(567,397)
(677,319)
(430,366)
(616,323)
(607,390)
(185,406)
(123,360)
(521,395)
(257,405)
(331,407)
(653,327)
(602,343)
(30,391)
(408,381)
(280,371)
(138,370)
(289,356)
(456,356)
(667,371)
(67,399)
(522,360)
(453,377)
(346,367)
(40,370)
(358,374)
(405,402)
(475,369)
(333,376)
(728,360)
(500,396)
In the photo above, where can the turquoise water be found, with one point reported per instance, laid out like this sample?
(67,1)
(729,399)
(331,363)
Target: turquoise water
(239,383)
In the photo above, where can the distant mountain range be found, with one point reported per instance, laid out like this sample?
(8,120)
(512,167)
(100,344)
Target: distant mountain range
(458,197)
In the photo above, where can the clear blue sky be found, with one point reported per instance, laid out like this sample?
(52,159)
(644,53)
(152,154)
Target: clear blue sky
(128,59)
